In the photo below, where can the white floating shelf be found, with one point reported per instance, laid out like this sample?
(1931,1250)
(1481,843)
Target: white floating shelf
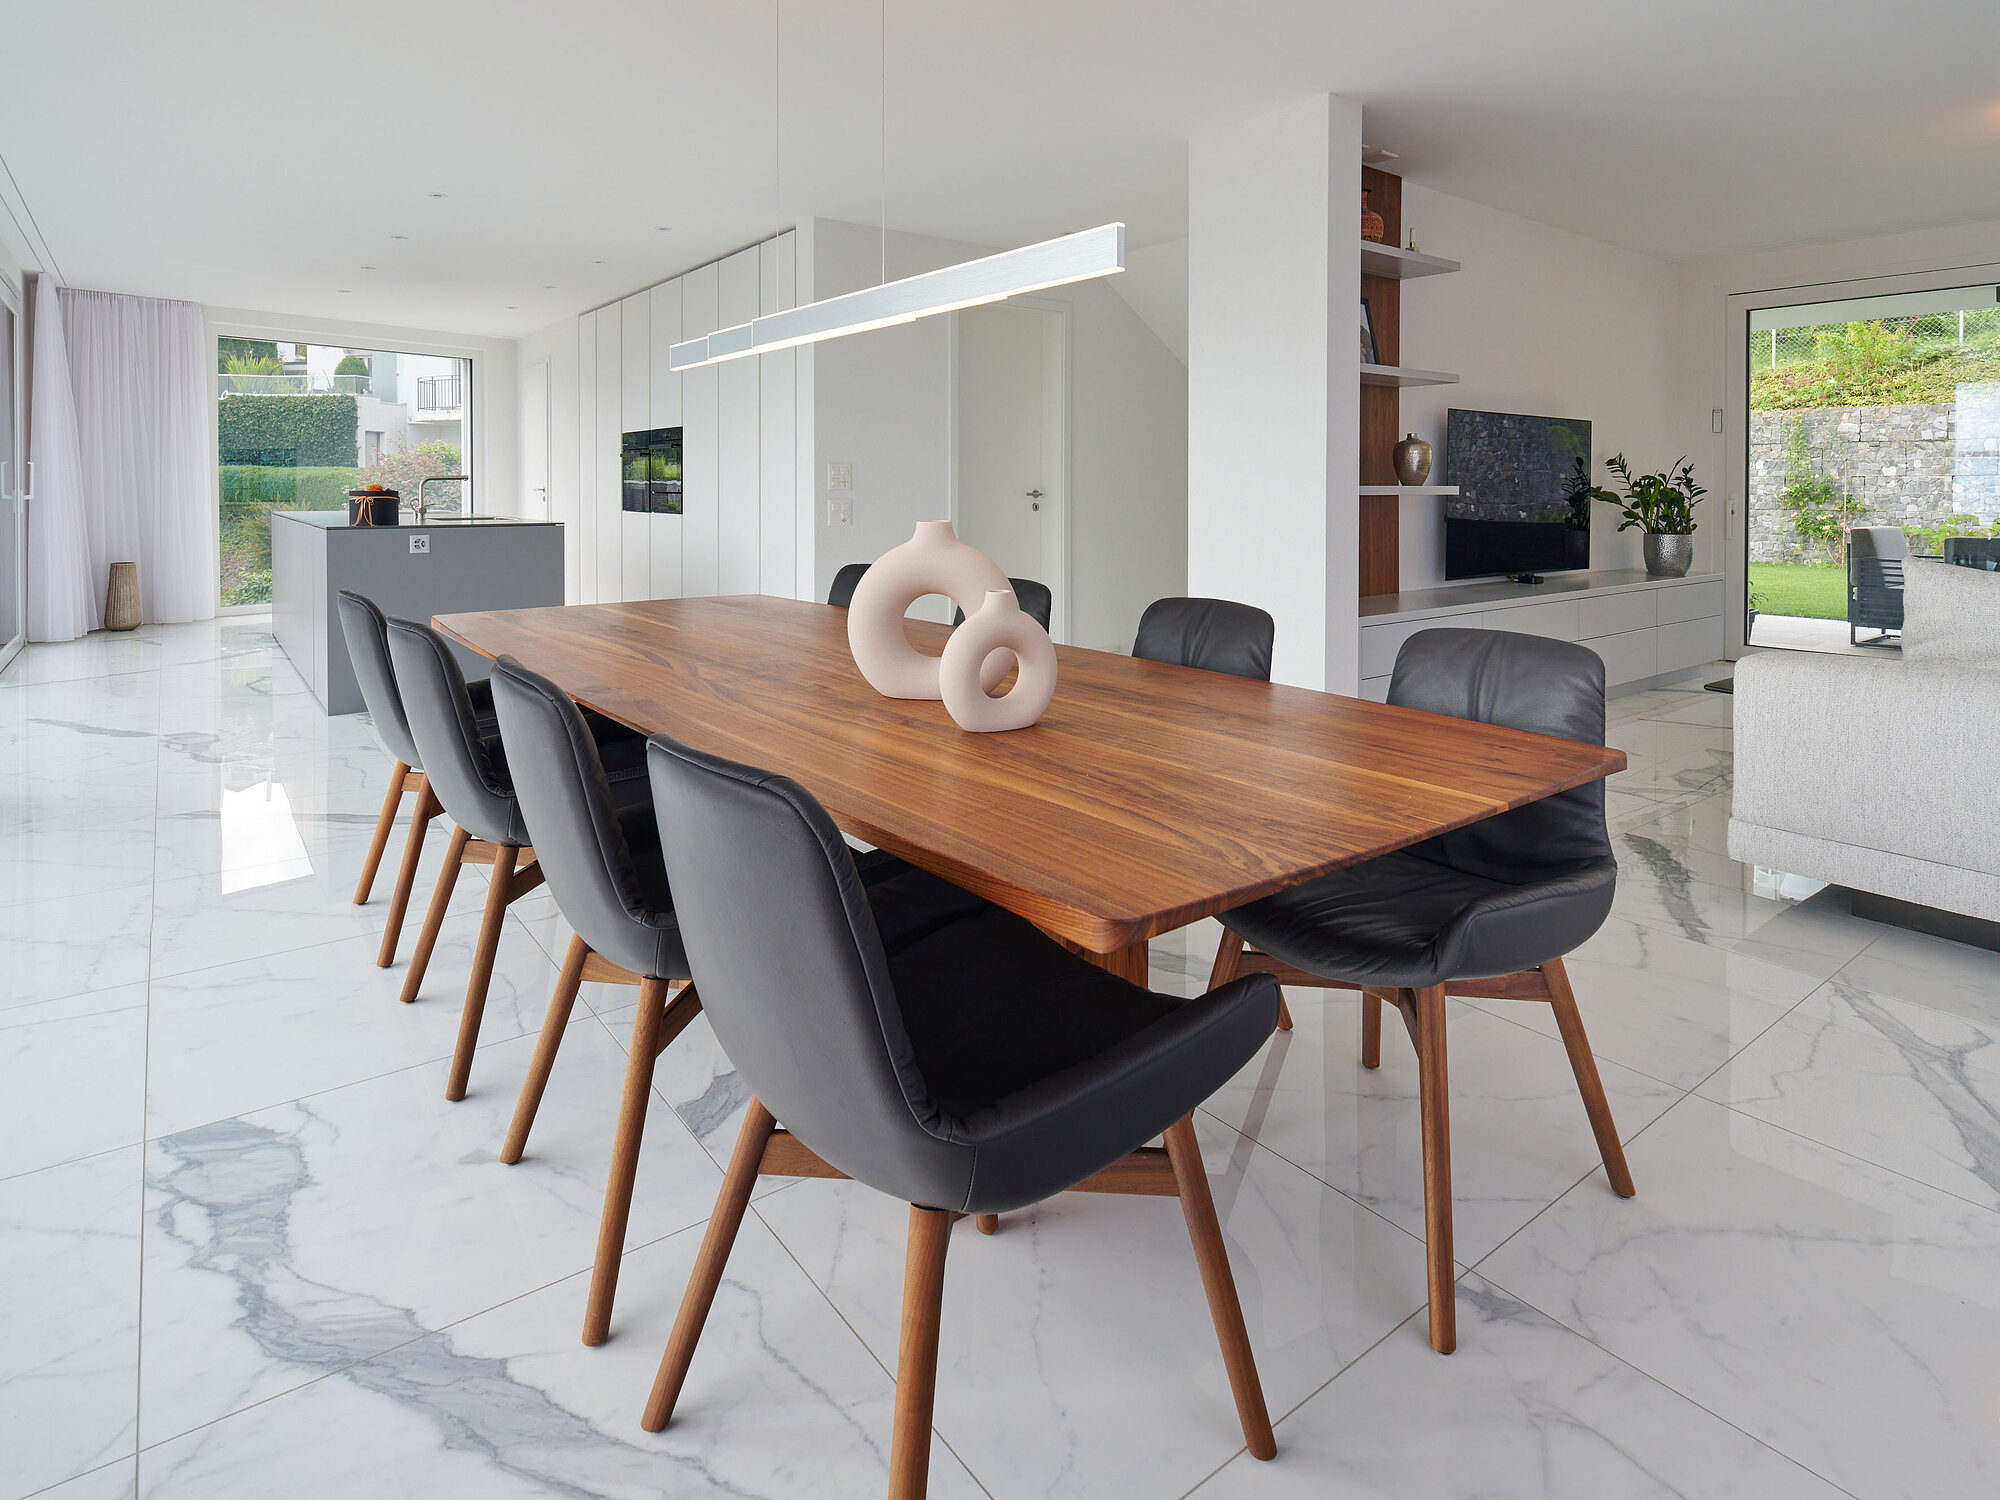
(1401,375)
(1399,264)
(1409,489)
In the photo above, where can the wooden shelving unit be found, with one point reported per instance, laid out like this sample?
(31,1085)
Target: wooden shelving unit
(1384,269)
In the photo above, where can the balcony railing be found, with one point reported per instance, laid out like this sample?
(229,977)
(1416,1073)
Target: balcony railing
(438,393)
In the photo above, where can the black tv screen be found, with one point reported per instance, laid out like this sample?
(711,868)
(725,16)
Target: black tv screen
(1523,502)
(650,464)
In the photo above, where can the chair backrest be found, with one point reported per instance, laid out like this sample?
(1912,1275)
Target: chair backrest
(1523,682)
(1885,542)
(1036,602)
(784,950)
(573,821)
(470,782)
(1217,635)
(844,583)
(367,631)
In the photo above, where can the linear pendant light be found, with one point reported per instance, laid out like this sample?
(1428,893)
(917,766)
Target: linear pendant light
(994,278)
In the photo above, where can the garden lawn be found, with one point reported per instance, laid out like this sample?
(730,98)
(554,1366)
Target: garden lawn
(1812,591)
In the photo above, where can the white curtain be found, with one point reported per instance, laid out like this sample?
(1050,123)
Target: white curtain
(138,373)
(60,598)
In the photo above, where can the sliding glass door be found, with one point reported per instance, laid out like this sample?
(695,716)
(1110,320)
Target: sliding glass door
(1871,429)
(13,507)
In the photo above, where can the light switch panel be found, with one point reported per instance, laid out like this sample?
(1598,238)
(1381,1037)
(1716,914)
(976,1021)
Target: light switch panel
(840,476)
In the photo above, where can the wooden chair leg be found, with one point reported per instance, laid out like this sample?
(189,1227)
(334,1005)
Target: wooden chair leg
(1371,1029)
(498,894)
(1212,1255)
(454,857)
(625,1164)
(1562,999)
(709,1264)
(1228,956)
(427,808)
(384,826)
(986,1223)
(560,1005)
(916,1355)
(1426,1013)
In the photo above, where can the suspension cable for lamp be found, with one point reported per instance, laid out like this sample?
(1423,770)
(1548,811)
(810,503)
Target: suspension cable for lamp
(882,120)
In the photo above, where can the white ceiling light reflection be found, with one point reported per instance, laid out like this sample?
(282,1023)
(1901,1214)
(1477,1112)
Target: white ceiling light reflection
(260,838)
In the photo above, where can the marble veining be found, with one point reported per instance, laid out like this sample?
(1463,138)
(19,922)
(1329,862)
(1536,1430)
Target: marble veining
(209,1092)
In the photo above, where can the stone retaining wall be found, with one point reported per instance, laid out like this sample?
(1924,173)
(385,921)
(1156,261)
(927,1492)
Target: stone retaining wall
(1912,465)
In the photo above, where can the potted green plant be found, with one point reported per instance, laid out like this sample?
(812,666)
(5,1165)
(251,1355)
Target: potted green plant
(1661,505)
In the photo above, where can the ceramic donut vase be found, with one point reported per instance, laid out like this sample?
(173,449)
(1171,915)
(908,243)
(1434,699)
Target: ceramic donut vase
(994,637)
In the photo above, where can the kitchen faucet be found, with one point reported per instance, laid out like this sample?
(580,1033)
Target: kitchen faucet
(423,506)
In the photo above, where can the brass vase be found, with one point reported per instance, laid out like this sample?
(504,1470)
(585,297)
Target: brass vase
(121,598)
(1412,458)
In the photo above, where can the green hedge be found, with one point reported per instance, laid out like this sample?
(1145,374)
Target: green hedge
(309,431)
(285,488)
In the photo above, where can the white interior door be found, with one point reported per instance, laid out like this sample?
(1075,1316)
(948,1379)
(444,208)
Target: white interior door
(1011,451)
(535,441)
(13,513)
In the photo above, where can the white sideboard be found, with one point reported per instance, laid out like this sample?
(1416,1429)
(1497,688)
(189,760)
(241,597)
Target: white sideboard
(1648,630)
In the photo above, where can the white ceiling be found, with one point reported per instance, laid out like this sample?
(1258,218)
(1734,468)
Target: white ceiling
(251,154)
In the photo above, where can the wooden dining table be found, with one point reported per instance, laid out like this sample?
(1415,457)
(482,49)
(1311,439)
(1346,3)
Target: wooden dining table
(1147,797)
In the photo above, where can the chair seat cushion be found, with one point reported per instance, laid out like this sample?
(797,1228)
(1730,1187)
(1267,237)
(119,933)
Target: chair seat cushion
(1403,921)
(1049,1066)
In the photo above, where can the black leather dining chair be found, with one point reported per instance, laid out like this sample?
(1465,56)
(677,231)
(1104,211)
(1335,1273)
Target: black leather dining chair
(468,773)
(1487,911)
(844,583)
(1036,602)
(366,631)
(933,1047)
(1217,635)
(602,862)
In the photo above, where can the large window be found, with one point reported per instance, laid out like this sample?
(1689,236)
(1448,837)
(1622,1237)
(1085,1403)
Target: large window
(1874,432)
(299,425)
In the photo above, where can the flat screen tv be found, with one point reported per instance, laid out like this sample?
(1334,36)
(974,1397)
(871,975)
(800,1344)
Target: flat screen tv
(650,464)
(1523,501)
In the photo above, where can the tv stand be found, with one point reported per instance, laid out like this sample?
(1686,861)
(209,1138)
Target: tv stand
(1526,578)
(1647,630)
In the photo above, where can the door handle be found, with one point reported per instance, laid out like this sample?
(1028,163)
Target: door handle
(1034,494)
(29,492)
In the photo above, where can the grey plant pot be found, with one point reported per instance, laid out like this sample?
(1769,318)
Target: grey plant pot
(1668,556)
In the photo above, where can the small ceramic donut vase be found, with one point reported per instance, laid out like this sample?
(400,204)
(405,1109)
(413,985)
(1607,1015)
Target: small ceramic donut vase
(995,629)
(934,561)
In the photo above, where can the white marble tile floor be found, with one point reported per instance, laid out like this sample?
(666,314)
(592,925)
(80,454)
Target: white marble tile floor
(247,1249)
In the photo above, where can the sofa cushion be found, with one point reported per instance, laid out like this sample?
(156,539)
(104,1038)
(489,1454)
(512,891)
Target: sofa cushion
(1951,616)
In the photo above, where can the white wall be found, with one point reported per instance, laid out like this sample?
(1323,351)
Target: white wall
(882,402)
(1549,323)
(1274,263)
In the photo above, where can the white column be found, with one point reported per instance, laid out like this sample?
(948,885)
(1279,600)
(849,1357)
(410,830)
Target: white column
(1274,282)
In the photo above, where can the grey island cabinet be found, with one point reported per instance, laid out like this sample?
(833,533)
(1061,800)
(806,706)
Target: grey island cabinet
(442,567)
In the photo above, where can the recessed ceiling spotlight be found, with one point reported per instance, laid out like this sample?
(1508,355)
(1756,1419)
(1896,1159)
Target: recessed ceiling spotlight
(548,286)
(440,195)
(347,291)
(597,263)
(664,228)
(367,268)
(399,236)
(513,307)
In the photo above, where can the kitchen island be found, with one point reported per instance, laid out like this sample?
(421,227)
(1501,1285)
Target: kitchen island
(447,565)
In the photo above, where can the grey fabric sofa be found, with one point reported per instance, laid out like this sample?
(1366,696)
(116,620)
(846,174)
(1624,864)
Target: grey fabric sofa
(1879,774)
